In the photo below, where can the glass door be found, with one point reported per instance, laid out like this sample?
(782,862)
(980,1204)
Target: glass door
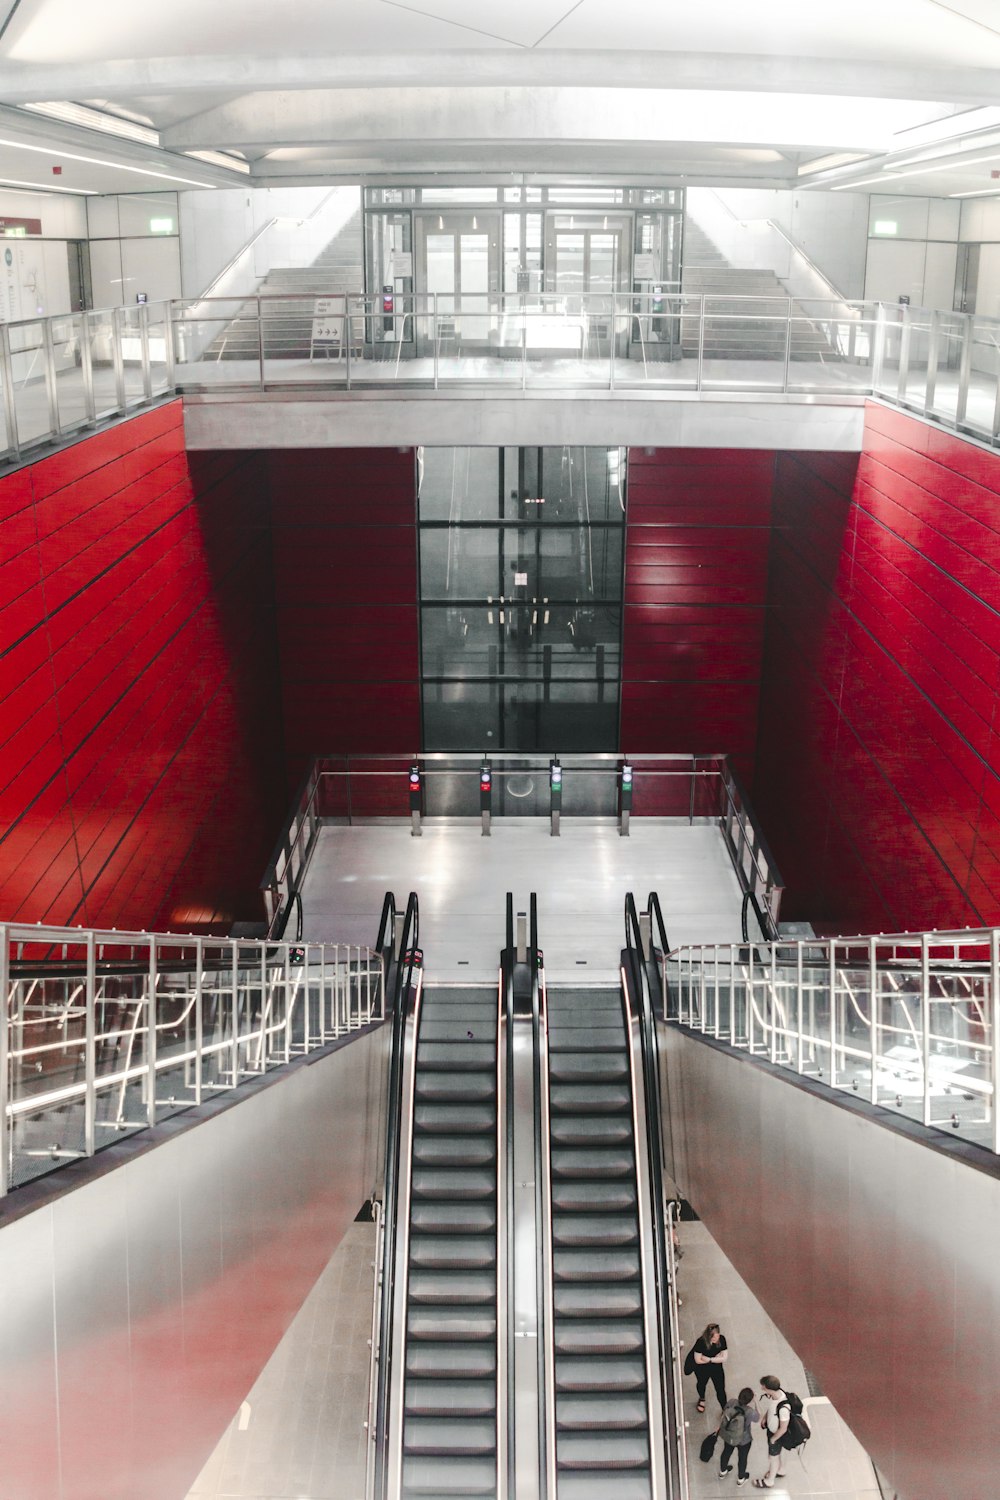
(588,262)
(457,270)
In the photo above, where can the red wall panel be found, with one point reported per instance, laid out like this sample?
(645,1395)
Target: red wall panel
(877,760)
(696,559)
(140,750)
(345,570)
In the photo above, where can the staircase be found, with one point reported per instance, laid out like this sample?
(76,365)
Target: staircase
(735,329)
(450,1404)
(336,271)
(602,1438)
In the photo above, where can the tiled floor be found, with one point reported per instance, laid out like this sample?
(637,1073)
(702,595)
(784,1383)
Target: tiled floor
(834,1466)
(299,1434)
(580,879)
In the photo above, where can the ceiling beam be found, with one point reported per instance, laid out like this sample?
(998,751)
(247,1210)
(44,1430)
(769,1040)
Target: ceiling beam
(843,77)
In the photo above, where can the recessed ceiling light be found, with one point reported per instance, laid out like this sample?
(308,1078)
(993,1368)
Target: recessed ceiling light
(49,187)
(99,161)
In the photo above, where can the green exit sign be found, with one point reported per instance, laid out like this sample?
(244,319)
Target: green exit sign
(161,226)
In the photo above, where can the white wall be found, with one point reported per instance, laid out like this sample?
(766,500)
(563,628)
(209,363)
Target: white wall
(132,250)
(35,282)
(917,258)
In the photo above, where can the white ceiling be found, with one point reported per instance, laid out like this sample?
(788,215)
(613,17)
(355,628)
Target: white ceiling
(320,90)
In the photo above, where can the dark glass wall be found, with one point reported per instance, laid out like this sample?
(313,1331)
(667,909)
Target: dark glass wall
(521,554)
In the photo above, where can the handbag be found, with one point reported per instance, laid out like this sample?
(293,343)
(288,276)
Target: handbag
(708,1447)
(689,1363)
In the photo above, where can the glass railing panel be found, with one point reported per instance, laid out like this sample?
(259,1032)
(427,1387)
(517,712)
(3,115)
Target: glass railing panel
(35,416)
(745,343)
(217,342)
(159,334)
(298,347)
(978,405)
(656,343)
(134,352)
(71,396)
(943,379)
(100,337)
(831,348)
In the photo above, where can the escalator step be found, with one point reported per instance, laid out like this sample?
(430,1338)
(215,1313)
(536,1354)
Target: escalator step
(449,1478)
(633,1485)
(452,1288)
(593,1162)
(453,1183)
(587,1099)
(451,1361)
(455,1088)
(592,1038)
(454,1119)
(454,1026)
(604,1336)
(453,1252)
(595,1299)
(595,1265)
(592,1413)
(591,1130)
(594,1197)
(456,1057)
(602,1450)
(455,1398)
(455,1438)
(436,1323)
(588,1067)
(457,1217)
(454,1151)
(619,1372)
(594,1229)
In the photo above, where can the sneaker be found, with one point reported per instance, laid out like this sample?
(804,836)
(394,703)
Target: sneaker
(742,1481)
(724,1472)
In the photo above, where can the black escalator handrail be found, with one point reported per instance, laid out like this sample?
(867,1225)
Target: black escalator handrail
(639,986)
(768,931)
(507,959)
(399,1003)
(656,915)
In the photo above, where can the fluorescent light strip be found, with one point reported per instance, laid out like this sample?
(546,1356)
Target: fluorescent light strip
(49,187)
(979,193)
(947,166)
(97,161)
(96,119)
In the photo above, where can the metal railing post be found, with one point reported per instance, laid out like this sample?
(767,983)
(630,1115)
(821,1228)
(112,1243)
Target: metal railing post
(964,370)
(9,400)
(788,344)
(878,353)
(933,356)
(775,1009)
(5,1129)
(322,995)
(118,356)
(89,1042)
(994,1034)
(875,1016)
(799,982)
(51,392)
(750,1007)
(151,1036)
(903,373)
(199,947)
(833,1013)
(87,369)
(701,342)
(925,1021)
(235,1043)
(169,357)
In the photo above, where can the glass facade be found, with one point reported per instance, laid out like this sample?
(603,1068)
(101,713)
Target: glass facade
(521,561)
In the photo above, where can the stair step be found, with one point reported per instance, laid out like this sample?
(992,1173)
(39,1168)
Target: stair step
(615,1372)
(454,1119)
(452,1288)
(452,1183)
(594,1229)
(454,1150)
(458,1088)
(598,1336)
(458,1056)
(451,1360)
(594,1197)
(595,1265)
(586,1130)
(446,1478)
(628,1485)
(455,1438)
(458,1217)
(470,1324)
(456,1398)
(589,1099)
(598,1299)
(592,1162)
(461,1252)
(602,1450)
(613,1412)
(609,1038)
(456,1028)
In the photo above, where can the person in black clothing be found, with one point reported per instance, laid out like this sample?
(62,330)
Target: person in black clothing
(710,1355)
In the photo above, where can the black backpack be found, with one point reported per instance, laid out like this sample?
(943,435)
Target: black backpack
(798,1430)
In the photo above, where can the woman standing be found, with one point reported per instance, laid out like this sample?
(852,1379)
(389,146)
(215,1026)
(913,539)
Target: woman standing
(710,1354)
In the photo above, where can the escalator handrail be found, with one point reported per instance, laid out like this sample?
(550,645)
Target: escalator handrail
(401,990)
(543,1198)
(651,1085)
(769,932)
(505,1432)
(656,915)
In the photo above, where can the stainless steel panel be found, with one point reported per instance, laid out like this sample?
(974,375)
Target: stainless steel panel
(874,1254)
(29,1415)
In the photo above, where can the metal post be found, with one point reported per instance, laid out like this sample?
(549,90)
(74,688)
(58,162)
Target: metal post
(902,375)
(87,369)
(89,1057)
(5,1023)
(348,341)
(52,394)
(151,1037)
(925,1021)
(994,1033)
(169,356)
(9,401)
(117,357)
(235,1042)
(878,353)
(701,342)
(799,1061)
(147,373)
(750,1009)
(875,1016)
(788,343)
(435,342)
(964,371)
(199,958)
(833,1012)
(933,355)
(775,1008)
(322,994)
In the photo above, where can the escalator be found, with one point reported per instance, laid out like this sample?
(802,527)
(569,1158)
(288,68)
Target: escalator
(602,1406)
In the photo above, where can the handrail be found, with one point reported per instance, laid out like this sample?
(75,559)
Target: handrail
(543,1198)
(505,1271)
(637,986)
(656,914)
(405,964)
(676,1365)
(768,930)
(836,294)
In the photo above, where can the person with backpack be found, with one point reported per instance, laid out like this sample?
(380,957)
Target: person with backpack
(786,1428)
(736,1430)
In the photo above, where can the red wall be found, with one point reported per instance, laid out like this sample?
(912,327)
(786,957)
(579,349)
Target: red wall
(696,555)
(878,766)
(345,568)
(139,752)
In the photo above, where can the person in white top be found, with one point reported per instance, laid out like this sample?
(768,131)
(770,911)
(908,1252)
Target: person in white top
(775,1425)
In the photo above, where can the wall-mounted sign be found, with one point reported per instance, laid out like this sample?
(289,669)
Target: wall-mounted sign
(17,228)
(402,263)
(161,226)
(645,267)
